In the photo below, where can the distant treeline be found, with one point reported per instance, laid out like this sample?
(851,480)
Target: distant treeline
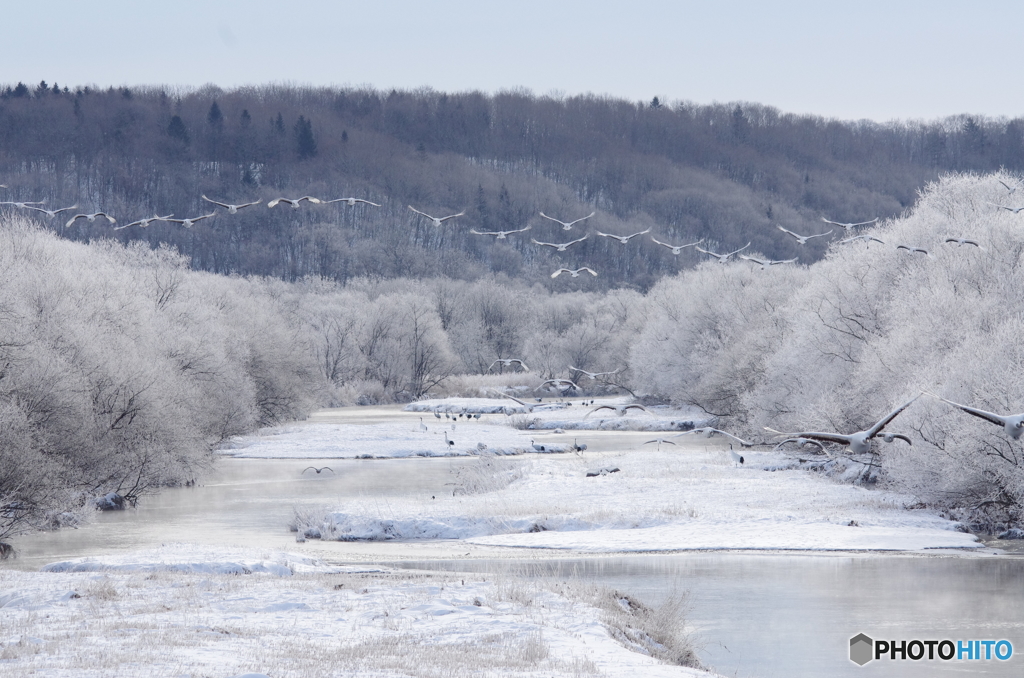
(725,174)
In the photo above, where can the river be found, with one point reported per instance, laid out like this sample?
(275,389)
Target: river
(756,614)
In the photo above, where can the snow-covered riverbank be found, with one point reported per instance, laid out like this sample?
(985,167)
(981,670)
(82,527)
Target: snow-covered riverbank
(188,611)
(687,493)
(673,499)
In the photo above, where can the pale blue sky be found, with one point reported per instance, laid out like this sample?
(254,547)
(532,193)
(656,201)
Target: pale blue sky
(865,59)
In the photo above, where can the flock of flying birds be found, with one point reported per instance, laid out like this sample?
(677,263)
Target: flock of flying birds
(187,223)
(858,442)
(503,234)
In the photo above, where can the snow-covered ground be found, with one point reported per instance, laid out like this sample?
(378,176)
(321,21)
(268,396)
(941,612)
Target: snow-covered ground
(386,440)
(687,496)
(188,611)
(664,497)
(578,414)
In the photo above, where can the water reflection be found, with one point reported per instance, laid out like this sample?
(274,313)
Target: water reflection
(790,615)
(245,502)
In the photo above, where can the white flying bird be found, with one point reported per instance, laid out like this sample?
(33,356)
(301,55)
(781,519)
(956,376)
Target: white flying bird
(560,384)
(768,262)
(849,227)
(1011,189)
(294,202)
(574,274)
(232,209)
(91,217)
(965,241)
(708,432)
(622,238)
(594,375)
(351,202)
(1013,424)
(507,362)
(501,234)
(560,247)
(802,442)
(51,213)
(437,221)
(567,225)
(526,406)
(1015,210)
(859,442)
(22,205)
(912,250)
(188,223)
(620,410)
(676,249)
(802,239)
(143,223)
(866,238)
(722,258)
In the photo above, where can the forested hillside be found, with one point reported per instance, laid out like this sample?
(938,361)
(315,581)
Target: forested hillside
(723,174)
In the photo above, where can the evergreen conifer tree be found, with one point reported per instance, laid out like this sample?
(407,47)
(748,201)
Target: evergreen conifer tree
(305,144)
